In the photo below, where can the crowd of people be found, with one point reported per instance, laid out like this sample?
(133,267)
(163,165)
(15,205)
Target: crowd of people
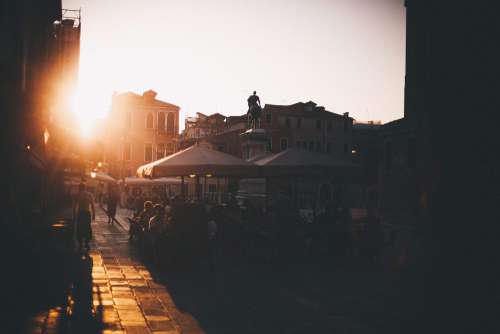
(165,228)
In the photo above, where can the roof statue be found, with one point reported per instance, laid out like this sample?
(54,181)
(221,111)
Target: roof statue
(254,111)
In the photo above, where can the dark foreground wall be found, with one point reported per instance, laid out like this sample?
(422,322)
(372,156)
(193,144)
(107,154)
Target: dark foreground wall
(452,97)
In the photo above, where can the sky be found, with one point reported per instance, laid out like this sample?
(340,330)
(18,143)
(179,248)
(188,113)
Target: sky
(208,56)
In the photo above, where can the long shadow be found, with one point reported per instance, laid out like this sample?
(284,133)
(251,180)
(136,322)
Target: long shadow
(83,318)
(252,294)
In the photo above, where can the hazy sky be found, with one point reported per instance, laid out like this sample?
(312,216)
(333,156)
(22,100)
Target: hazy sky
(208,56)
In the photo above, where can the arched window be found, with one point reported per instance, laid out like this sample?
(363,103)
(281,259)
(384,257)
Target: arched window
(149,121)
(161,121)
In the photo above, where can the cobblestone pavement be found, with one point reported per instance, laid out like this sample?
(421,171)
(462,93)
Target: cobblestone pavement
(129,297)
(125,297)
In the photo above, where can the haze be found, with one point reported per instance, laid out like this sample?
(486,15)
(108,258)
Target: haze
(208,56)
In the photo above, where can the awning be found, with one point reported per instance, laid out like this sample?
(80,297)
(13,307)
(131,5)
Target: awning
(296,162)
(198,160)
(151,182)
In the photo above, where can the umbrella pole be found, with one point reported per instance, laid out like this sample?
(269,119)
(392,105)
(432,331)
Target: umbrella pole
(198,187)
(183,195)
(204,187)
(218,191)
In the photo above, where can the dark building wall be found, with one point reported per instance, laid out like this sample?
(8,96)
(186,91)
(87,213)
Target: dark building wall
(27,76)
(366,151)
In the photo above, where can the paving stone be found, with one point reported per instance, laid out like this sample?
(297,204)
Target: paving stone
(161,325)
(137,282)
(159,312)
(134,329)
(130,315)
(105,302)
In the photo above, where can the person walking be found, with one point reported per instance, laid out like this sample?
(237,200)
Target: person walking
(112,203)
(83,214)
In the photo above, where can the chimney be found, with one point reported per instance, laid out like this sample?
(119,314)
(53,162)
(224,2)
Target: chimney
(346,114)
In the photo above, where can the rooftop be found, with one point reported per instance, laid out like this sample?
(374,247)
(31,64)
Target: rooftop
(301,109)
(149,95)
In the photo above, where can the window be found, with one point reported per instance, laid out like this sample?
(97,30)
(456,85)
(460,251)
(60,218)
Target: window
(212,188)
(287,122)
(388,155)
(268,118)
(328,147)
(299,123)
(412,153)
(318,124)
(170,123)
(297,144)
(160,151)
(283,144)
(127,151)
(128,119)
(148,152)
(149,121)
(329,126)
(318,146)
(346,149)
(161,121)
(311,146)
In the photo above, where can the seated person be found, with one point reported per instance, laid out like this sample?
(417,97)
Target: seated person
(141,222)
(156,222)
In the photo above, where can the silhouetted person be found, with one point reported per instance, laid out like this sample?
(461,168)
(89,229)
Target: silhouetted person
(112,203)
(214,216)
(138,204)
(84,213)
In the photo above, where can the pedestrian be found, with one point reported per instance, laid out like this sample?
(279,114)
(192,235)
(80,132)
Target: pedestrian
(156,227)
(112,203)
(83,213)
(212,235)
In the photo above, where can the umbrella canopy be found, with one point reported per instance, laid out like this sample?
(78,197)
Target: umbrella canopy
(301,162)
(139,181)
(198,160)
(99,176)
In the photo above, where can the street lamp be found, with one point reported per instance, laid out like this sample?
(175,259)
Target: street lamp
(93,174)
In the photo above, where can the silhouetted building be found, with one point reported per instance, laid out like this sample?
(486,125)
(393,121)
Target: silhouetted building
(141,129)
(203,126)
(398,180)
(309,127)
(366,150)
(35,63)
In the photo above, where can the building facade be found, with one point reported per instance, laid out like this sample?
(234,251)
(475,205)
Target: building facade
(307,126)
(203,126)
(141,129)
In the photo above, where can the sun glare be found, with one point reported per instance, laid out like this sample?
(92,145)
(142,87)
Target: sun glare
(85,119)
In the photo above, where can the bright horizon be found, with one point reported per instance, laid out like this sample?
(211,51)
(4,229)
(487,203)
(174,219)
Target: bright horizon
(208,56)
